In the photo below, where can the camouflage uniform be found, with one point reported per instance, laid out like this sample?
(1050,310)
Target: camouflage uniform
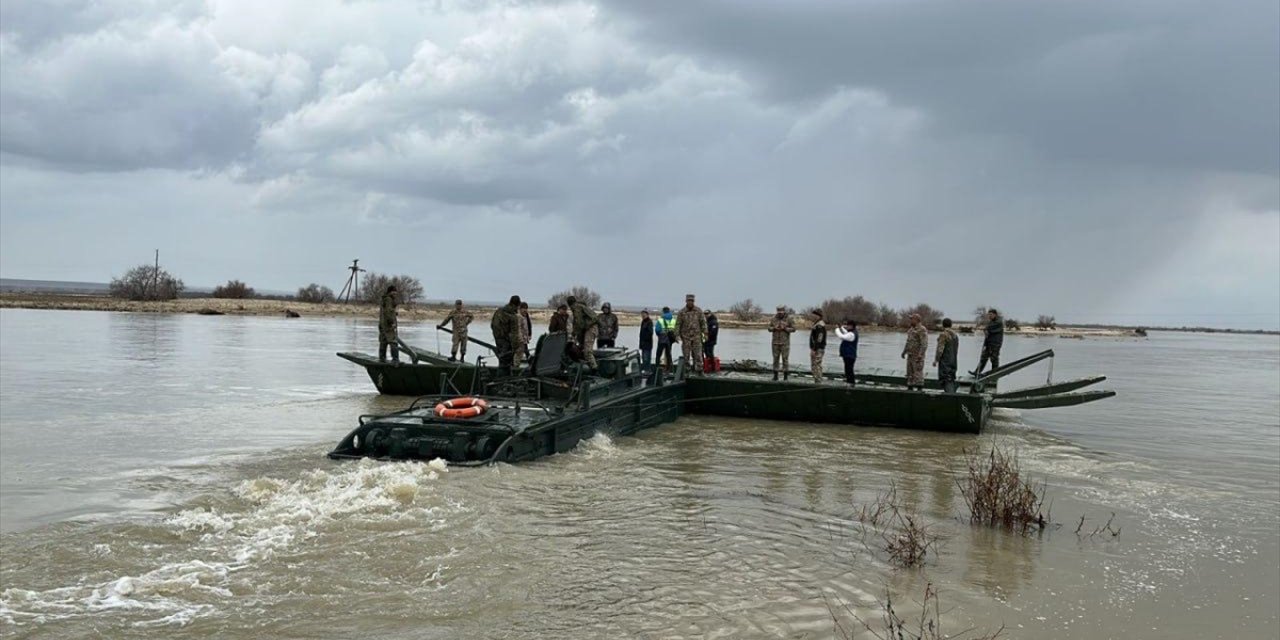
(781,328)
(506,335)
(608,329)
(916,348)
(522,342)
(817,349)
(460,319)
(387,334)
(586,329)
(945,358)
(691,326)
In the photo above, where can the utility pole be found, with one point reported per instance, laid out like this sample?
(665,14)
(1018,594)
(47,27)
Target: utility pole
(155,278)
(352,287)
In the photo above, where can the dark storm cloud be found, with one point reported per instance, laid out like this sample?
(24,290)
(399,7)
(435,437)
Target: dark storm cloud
(1086,159)
(1185,84)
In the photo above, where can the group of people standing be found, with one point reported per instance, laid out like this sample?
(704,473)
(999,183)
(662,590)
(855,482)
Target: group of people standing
(697,332)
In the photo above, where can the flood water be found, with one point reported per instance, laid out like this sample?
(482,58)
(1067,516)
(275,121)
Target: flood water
(164,475)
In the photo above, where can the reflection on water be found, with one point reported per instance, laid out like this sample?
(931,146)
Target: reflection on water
(191,451)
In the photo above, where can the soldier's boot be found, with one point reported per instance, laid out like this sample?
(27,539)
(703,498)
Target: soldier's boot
(382,352)
(775,374)
(395,353)
(995,362)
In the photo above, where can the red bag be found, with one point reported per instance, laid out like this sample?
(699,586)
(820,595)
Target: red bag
(711,365)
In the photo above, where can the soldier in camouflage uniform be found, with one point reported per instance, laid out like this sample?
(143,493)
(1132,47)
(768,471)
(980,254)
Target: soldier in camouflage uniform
(608,327)
(387,334)
(526,334)
(691,326)
(461,319)
(586,329)
(506,334)
(914,351)
(817,345)
(781,326)
(946,355)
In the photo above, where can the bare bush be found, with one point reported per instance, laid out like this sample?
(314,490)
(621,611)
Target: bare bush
(1011,324)
(746,310)
(375,284)
(315,294)
(980,316)
(903,536)
(998,495)
(583,293)
(146,282)
(856,308)
(892,626)
(1046,322)
(233,289)
(886,316)
(929,316)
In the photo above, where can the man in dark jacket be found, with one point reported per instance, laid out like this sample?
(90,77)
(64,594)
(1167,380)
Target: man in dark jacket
(506,334)
(608,327)
(559,320)
(713,331)
(646,341)
(817,345)
(992,343)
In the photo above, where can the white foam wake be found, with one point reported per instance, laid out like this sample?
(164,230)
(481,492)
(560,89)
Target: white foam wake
(273,514)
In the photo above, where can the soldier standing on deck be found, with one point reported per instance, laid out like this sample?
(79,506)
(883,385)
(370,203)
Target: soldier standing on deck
(586,328)
(691,326)
(781,327)
(608,327)
(506,334)
(914,351)
(713,335)
(387,335)
(817,345)
(526,334)
(461,319)
(945,357)
(992,343)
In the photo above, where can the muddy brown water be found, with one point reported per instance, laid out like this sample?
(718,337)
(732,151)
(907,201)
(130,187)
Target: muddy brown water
(164,476)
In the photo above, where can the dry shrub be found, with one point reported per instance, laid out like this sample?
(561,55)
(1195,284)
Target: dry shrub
(892,626)
(903,536)
(998,495)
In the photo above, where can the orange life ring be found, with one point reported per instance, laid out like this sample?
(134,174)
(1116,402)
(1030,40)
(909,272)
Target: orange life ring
(462,408)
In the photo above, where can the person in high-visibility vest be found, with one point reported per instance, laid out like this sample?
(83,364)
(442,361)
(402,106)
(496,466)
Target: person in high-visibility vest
(665,329)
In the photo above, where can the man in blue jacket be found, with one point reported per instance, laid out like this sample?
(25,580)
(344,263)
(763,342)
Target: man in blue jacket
(848,335)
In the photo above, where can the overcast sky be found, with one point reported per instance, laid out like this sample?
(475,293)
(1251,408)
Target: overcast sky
(1109,161)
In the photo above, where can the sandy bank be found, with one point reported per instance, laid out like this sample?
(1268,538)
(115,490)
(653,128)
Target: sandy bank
(408,313)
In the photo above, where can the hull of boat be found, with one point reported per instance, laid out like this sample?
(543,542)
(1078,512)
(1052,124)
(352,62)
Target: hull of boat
(425,377)
(747,397)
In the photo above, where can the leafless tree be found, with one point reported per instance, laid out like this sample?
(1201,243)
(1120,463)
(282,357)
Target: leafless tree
(582,293)
(746,310)
(146,282)
(233,289)
(375,284)
(315,293)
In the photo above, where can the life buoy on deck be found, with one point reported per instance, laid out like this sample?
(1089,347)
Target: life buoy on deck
(465,407)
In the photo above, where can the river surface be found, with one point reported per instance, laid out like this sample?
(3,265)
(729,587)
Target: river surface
(164,476)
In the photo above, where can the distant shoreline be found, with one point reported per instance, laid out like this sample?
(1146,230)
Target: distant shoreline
(418,312)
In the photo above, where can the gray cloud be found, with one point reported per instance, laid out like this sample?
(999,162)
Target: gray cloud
(1072,159)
